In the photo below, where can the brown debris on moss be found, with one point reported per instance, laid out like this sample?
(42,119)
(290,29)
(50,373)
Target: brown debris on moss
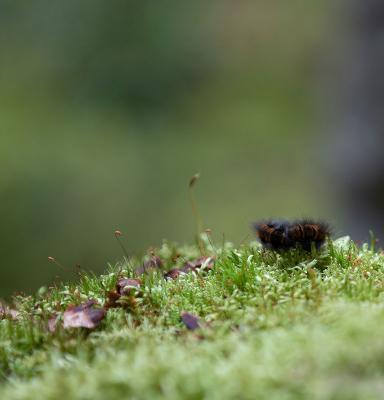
(85,315)
(190,321)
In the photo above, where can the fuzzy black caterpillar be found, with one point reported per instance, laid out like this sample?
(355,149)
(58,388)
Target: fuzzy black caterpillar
(285,235)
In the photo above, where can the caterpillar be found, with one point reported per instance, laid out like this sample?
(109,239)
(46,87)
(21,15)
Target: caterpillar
(284,235)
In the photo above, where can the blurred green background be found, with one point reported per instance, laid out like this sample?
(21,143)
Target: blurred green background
(108,108)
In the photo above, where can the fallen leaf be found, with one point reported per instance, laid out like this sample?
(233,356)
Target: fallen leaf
(83,316)
(6,312)
(153,262)
(125,285)
(14,314)
(191,266)
(52,323)
(206,262)
(173,273)
(190,321)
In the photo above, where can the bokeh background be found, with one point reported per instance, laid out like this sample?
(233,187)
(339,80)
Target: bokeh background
(108,108)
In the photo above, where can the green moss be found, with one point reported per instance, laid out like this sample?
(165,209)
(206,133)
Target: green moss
(284,326)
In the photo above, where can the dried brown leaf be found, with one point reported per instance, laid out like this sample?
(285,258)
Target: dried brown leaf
(153,262)
(173,273)
(190,321)
(125,285)
(52,323)
(83,316)
(6,312)
(190,266)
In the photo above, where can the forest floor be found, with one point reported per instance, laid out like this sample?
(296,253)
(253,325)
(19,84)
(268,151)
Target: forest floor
(204,322)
